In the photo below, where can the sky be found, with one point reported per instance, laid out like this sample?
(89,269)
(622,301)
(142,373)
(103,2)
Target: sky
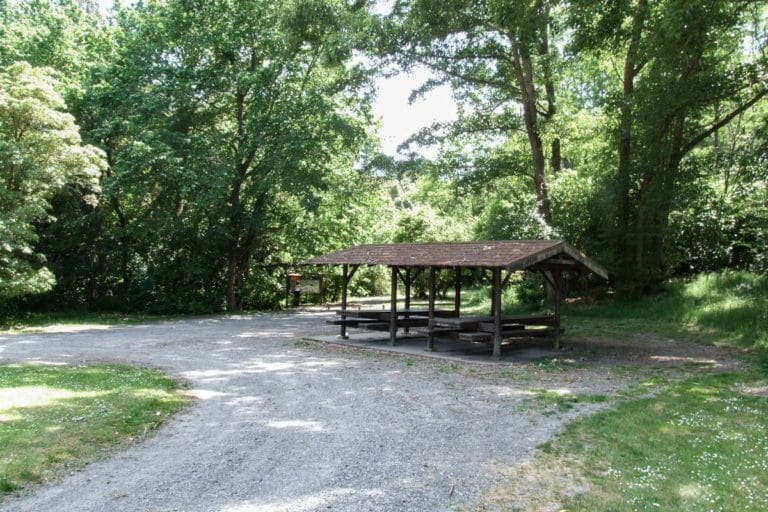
(398,119)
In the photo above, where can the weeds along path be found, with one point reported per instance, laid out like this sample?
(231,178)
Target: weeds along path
(280,425)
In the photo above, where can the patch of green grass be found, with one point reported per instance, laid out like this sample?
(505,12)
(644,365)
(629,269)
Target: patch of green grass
(689,441)
(564,401)
(451,368)
(555,364)
(698,444)
(477,301)
(53,417)
(727,308)
(35,322)
(304,344)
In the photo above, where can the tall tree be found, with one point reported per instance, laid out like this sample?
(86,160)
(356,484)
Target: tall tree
(67,36)
(229,107)
(500,60)
(685,76)
(40,152)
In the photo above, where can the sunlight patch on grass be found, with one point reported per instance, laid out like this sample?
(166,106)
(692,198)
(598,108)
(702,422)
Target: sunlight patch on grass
(559,400)
(697,445)
(38,396)
(728,308)
(52,417)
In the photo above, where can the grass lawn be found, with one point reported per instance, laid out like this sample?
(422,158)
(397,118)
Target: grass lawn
(698,445)
(57,417)
(695,443)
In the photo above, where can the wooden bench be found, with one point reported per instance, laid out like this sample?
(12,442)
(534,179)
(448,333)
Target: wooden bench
(376,324)
(401,323)
(440,313)
(487,337)
(363,313)
(351,321)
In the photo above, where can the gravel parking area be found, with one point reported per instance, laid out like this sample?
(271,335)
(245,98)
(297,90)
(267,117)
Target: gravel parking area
(282,425)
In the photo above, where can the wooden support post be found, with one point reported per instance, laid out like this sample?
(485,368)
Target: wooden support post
(431,321)
(407,283)
(457,287)
(393,309)
(496,293)
(344,283)
(558,281)
(493,296)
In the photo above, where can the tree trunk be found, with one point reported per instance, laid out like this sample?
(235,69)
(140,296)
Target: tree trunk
(232,281)
(665,194)
(626,267)
(124,249)
(549,87)
(524,74)
(237,250)
(235,228)
(556,159)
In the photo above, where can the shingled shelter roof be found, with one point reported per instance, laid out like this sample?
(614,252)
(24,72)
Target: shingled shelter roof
(507,254)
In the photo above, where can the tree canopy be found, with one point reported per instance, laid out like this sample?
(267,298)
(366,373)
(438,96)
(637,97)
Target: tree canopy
(40,153)
(178,155)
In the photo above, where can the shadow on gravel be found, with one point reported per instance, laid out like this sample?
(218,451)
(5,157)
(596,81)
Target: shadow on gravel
(280,426)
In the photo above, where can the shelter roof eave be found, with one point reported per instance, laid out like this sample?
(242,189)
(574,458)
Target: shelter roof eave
(512,255)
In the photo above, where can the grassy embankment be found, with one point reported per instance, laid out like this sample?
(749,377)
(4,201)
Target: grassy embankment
(697,443)
(39,322)
(726,309)
(57,417)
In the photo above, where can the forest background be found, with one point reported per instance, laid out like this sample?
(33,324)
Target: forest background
(174,156)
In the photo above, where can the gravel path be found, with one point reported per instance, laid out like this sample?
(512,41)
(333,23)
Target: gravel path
(279,426)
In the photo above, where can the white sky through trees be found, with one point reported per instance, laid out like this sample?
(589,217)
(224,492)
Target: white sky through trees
(398,119)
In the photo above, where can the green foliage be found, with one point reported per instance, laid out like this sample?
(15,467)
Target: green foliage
(499,58)
(232,133)
(40,152)
(238,137)
(573,195)
(62,35)
(511,214)
(687,74)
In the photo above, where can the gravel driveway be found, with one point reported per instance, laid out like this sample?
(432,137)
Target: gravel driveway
(280,426)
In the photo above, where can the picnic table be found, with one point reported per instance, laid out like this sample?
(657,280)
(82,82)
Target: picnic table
(481,328)
(486,323)
(379,320)
(468,328)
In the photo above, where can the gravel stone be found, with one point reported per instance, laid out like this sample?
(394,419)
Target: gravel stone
(285,426)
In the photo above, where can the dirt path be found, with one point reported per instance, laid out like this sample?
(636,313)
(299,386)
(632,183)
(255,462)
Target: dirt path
(279,426)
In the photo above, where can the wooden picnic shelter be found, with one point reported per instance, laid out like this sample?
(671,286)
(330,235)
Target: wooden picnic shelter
(551,258)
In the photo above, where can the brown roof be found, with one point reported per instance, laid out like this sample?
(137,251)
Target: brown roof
(508,254)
